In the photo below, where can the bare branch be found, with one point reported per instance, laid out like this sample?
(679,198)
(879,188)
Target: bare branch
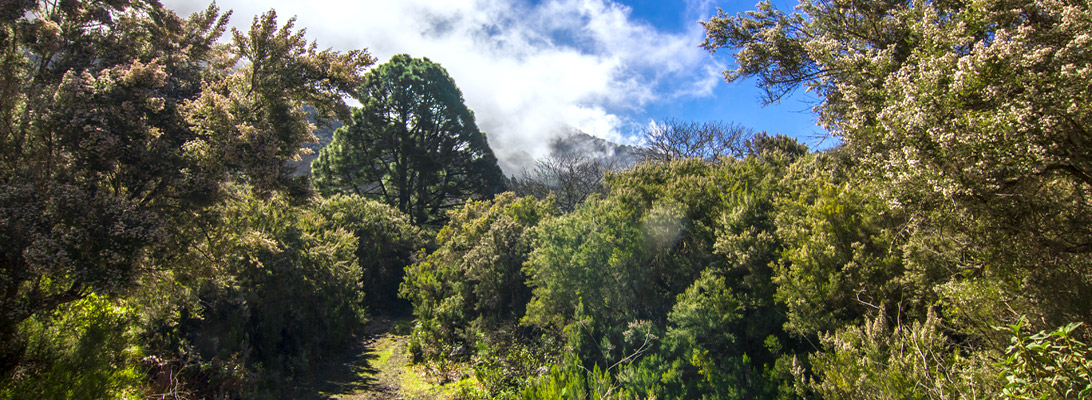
(676,140)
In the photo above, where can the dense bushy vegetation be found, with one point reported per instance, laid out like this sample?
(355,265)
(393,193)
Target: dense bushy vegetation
(917,259)
(155,241)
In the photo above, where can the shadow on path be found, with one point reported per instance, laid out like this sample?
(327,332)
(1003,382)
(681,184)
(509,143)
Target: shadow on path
(354,375)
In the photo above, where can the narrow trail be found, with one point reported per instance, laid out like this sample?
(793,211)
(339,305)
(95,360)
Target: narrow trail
(377,368)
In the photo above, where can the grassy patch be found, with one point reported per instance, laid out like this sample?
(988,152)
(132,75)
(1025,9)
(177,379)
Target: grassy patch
(415,382)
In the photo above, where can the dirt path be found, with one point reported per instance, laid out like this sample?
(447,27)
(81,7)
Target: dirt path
(377,369)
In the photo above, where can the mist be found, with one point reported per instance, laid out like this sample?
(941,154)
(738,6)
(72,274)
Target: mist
(530,72)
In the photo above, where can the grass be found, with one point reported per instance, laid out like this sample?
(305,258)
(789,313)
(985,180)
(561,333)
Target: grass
(401,378)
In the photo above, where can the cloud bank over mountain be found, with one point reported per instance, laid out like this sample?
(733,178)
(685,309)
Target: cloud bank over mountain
(530,71)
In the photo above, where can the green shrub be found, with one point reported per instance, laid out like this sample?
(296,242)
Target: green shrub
(907,361)
(81,350)
(1047,365)
(269,289)
(474,281)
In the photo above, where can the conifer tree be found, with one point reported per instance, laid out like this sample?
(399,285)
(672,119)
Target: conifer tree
(412,144)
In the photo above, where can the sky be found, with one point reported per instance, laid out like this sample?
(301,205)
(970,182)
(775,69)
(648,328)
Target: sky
(534,69)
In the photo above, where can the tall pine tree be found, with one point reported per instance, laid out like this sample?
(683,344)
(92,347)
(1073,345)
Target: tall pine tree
(412,143)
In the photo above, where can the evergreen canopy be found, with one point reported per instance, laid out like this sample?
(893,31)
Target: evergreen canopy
(412,143)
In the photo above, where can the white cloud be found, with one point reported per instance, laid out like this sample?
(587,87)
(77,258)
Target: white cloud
(527,70)
(705,84)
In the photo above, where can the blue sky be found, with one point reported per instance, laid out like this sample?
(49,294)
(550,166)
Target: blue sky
(534,69)
(737,102)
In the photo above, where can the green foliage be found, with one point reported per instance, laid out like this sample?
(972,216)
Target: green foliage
(475,277)
(570,380)
(707,350)
(974,108)
(412,144)
(270,289)
(915,361)
(505,364)
(595,255)
(90,154)
(677,204)
(778,148)
(970,121)
(258,115)
(1047,365)
(119,121)
(701,356)
(386,244)
(154,241)
(840,259)
(81,350)
(748,241)
(690,270)
(681,205)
